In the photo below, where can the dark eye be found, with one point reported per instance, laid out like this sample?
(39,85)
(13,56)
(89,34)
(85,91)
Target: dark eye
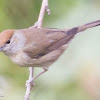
(8,42)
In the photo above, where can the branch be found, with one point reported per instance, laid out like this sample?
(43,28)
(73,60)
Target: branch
(38,24)
(29,84)
(44,7)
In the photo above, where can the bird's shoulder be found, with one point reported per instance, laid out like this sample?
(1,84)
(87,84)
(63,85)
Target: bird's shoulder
(38,40)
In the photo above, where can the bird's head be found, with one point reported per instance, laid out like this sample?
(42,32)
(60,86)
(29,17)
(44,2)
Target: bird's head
(11,42)
(5,37)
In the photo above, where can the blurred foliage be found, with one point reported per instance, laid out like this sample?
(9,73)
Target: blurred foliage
(24,13)
(66,79)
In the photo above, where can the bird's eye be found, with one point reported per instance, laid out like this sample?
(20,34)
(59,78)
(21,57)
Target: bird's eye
(8,42)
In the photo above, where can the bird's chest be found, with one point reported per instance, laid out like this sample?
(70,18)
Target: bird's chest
(21,59)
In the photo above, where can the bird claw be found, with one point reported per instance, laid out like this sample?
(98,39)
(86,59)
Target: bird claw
(35,25)
(30,82)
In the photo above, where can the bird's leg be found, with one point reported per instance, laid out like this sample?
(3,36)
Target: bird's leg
(44,70)
(31,69)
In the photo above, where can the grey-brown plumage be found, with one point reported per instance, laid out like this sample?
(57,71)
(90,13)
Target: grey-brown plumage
(38,47)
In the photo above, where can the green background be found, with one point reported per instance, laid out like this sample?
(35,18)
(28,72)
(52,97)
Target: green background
(75,76)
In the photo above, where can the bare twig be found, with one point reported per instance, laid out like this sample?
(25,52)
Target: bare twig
(38,24)
(29,84)
(44,8)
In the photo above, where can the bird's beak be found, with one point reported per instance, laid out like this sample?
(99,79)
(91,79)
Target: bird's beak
(1,48)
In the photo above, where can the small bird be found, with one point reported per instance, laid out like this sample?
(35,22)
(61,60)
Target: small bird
(38,47)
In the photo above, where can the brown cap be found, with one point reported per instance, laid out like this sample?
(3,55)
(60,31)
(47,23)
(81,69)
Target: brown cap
(5,36)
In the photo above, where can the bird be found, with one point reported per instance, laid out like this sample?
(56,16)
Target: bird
(38,47)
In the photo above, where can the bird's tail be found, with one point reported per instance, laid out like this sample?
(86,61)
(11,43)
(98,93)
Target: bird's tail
(73,31)
(89,25)
(70,35)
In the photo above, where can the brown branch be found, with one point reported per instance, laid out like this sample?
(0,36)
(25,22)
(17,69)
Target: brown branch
(29,84)
(38,24)
(44,7)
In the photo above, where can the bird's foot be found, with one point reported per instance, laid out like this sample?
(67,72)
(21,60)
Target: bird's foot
(30,82)
(35,25)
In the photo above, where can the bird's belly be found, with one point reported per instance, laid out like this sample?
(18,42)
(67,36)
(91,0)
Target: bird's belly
(25,61)
(22,59)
